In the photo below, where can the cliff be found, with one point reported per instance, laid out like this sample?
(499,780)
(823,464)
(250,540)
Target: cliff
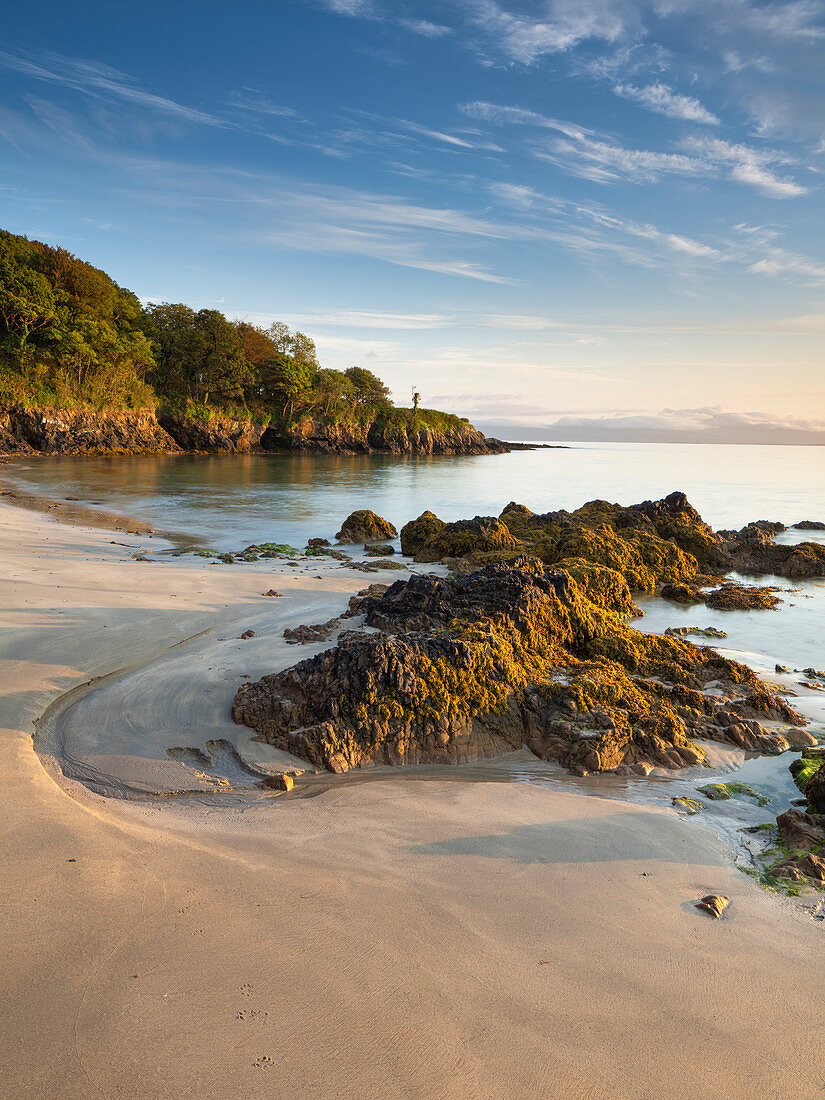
(367,437)
(47,430)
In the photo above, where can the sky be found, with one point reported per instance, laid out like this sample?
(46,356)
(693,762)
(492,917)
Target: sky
(564,219)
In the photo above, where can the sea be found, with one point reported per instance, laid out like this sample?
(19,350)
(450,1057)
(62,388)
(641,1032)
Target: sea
(229,501)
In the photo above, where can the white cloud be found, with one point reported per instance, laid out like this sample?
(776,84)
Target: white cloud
(563,25)
(747,165)
(603,162)
(100,81)
(425,27)
(663,100)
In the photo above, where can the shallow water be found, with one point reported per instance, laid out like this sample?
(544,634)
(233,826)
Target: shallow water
(229,501)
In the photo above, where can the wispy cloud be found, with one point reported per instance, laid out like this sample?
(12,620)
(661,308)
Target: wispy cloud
(663,100)
(747,165)
(100,81)
(425,27)
(562,25)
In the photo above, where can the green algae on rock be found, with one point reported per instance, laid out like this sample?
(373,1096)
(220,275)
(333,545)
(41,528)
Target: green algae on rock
(508,655)
(652,544)
(417,533)
(365,526)
(717,792)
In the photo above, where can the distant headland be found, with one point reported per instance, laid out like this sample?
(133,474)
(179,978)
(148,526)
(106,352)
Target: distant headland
(85,368)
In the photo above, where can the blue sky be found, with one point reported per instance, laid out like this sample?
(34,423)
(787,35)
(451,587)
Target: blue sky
(604,215)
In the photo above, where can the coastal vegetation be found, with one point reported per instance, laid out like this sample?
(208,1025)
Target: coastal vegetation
(72,338)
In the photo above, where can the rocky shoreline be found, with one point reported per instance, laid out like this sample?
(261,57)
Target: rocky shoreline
(46,430)
(526,644)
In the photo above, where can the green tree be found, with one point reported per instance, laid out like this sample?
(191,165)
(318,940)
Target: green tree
(368,389)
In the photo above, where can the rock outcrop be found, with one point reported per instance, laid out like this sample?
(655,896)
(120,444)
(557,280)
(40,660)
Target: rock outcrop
(60,431)
(511,654)
(81,432)
(652,544)
(218,435)
(371,437)
(365,526)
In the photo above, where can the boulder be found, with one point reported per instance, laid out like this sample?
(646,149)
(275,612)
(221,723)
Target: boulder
(468,536)
(801,830)
(714,904)
(417,533)
(365,526)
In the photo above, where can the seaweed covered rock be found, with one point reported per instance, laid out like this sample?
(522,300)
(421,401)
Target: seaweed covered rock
(681,593)
(510,654)
(417,533)
(469,536)
(741,597)
(662,542)
(809,775)
(365,526)
(606,588)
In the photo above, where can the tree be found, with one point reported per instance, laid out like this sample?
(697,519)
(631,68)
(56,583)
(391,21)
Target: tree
(368,389)
(223,368)
(333,390)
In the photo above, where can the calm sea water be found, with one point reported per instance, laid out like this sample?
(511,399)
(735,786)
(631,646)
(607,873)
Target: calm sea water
(229,501)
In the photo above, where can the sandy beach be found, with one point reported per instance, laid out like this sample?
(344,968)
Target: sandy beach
(376,940)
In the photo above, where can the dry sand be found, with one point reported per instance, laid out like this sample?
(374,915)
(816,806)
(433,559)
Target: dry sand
(379,940)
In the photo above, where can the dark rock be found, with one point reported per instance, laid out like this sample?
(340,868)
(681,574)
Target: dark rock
(809,525)
(247,634)
(317,544)
(319,632)
(272,592)
(696,631)
(356,602)
(378,549)
(801,830)
(681,593)
(365,526)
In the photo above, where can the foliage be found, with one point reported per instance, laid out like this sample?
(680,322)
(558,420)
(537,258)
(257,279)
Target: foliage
(68,333)
(70,336)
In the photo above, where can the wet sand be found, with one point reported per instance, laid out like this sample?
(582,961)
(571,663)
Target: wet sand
(389,939)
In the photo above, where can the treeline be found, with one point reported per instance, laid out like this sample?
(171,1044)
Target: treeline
(69,335)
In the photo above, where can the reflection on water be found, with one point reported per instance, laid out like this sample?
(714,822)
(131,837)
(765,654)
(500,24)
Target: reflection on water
(228,501)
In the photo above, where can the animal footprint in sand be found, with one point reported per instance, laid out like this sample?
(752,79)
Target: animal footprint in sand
(264,1063)
(246,989)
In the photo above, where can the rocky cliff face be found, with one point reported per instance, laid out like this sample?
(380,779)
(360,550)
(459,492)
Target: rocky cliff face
(364,438)
(83,432)
(59,431)
(220,435)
